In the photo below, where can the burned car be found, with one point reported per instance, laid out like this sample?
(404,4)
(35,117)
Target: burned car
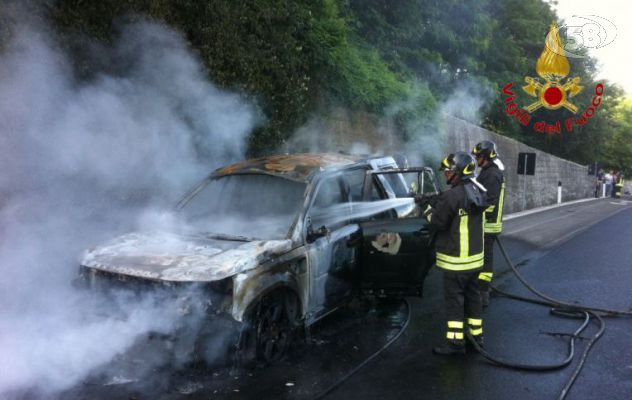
(282,241)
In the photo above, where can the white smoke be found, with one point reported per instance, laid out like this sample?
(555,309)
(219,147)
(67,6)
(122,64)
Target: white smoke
(79,161)
(468,101)
(428,141)
(331,132)
(425,140)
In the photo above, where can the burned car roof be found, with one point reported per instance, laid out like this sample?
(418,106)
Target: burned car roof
(296,167)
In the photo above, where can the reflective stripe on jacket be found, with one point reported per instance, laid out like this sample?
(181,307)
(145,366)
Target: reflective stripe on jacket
(492,178)
(459,242)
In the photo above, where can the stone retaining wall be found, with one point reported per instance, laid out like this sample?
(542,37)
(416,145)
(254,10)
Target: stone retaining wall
(524,191)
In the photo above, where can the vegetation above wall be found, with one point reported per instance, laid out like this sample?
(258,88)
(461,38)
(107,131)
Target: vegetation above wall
(298,58)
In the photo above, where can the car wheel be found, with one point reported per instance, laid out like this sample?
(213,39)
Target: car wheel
(270,328)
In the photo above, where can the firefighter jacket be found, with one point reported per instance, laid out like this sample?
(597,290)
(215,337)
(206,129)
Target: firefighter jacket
(459,224)
(619,182)
(492,178)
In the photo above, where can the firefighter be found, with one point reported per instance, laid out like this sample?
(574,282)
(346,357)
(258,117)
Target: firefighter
(457,215)
(618,186)
(490,176)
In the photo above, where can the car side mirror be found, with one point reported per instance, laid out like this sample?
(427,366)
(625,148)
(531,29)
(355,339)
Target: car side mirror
(312,235)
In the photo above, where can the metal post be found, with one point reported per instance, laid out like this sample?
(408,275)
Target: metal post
(559,192)
(603,191)
(524,186)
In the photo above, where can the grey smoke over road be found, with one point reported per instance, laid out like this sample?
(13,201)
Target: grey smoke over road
(80,160)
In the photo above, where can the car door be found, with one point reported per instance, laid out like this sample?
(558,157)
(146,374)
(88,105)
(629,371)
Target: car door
(397,245)
(331,250)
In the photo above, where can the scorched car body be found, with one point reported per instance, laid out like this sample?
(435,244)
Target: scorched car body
(260,237)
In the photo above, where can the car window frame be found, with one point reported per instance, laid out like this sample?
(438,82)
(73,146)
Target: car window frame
(186,198)
(314,193)
(365,169)
(374,175)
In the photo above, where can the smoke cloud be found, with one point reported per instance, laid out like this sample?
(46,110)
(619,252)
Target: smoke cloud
(414,126)
(80,161)
(428,141)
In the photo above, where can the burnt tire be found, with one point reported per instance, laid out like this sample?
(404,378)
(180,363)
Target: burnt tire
(269,330)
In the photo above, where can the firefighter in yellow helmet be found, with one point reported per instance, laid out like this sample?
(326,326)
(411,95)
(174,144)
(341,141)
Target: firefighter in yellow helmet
(457,215)
(490,176)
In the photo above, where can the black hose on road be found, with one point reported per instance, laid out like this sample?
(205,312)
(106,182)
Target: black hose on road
(556,302)
(536,367)
(347,376)
(571,380)
(559,308)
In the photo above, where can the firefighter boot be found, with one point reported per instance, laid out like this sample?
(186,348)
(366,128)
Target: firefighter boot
(450,348)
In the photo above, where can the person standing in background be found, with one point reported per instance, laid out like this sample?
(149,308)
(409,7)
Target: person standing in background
(618,184)
(608,178)
(613,189)
(599,189)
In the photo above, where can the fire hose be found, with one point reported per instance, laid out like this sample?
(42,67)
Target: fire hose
(388,344)
(558,308)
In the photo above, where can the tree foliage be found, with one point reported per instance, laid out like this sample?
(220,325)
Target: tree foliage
(299,57)
(618,154)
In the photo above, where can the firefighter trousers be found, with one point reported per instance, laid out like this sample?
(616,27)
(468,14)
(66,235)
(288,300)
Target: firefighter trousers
(463,305)
(487,273)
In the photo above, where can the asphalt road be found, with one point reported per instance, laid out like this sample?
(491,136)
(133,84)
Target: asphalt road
(577,253)
(580,252)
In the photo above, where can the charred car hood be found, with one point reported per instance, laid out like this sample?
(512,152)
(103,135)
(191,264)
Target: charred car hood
(180,258)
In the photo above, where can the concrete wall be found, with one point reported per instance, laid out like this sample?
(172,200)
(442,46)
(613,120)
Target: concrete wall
(364,133)
(524,191)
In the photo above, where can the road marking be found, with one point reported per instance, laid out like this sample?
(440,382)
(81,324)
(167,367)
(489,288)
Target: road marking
(581,229)
(545,221)
(545,208)
(549,220)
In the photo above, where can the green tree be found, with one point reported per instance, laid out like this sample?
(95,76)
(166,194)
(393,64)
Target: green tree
(618,154)
(292,57)
(295,58)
